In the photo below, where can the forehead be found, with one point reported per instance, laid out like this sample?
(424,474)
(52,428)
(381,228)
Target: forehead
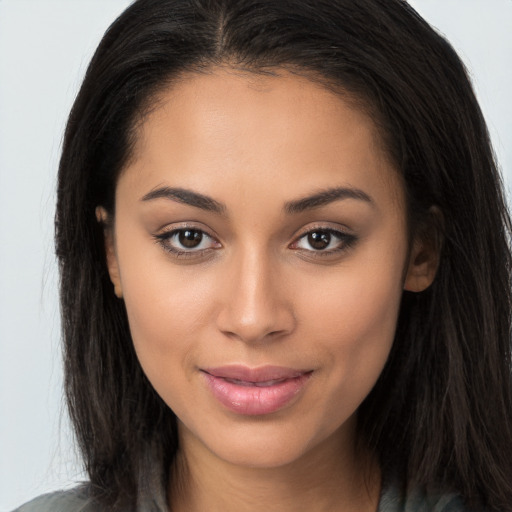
(273,129)
(248,99)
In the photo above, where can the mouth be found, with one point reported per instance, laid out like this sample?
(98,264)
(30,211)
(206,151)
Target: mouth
(255,391)
(263,384)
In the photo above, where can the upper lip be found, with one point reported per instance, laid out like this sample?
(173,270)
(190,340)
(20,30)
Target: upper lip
(260,374)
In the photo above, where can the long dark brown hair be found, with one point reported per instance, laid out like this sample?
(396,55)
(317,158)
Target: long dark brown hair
(440,415)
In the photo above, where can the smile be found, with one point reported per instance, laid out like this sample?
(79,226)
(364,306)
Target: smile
(263,384)
(255,391)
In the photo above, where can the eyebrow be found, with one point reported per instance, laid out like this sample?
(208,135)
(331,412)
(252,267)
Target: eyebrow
(181,195)
(206,203)
(325,197)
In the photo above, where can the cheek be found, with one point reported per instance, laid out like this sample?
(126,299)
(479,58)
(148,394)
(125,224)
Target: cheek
(352,319)
(167,310)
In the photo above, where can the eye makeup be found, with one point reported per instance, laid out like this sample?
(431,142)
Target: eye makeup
(324,241)
(187,241)
(192,241)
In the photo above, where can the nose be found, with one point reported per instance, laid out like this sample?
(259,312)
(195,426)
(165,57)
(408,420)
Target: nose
(256,304)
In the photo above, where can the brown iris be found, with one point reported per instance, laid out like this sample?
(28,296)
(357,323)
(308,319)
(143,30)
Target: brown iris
(319,239)
(190,238)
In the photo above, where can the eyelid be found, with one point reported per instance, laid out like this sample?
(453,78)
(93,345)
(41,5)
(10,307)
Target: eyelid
(164,235)
(345,236)
(347,240)
(322,226)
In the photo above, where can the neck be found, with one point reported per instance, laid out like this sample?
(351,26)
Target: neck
(328,478)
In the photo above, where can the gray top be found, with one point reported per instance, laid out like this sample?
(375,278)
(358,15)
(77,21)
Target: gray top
(392,500)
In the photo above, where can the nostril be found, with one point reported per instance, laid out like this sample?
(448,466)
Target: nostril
(274,334)
(252,336)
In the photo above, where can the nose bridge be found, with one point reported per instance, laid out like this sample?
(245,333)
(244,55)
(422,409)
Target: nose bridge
(256,306)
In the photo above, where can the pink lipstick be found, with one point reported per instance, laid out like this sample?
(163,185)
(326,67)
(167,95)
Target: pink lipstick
(254,391)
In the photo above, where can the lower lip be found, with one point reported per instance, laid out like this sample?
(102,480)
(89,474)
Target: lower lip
(255,400)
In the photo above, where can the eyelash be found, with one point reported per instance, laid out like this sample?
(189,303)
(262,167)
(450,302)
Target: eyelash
(345,242)
(165,239)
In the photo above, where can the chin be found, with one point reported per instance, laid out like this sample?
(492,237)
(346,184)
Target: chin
(266,443)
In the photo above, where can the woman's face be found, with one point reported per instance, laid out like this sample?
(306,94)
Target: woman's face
(260,248)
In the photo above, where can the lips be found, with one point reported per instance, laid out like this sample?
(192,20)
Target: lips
(255,391)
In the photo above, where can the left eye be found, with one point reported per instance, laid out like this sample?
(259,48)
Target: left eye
(323,240)
(186,240)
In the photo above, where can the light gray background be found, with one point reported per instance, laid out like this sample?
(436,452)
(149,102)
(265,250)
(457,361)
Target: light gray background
(44,49)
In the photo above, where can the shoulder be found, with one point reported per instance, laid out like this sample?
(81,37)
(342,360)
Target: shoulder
(73,500)
(394,500)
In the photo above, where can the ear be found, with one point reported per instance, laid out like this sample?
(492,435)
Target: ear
(425,253)
(110,251)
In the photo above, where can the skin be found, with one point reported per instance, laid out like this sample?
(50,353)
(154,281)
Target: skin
(255,292)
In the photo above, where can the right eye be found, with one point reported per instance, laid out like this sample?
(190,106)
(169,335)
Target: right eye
(186,241)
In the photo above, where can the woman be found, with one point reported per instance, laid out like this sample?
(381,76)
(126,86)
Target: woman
(284,265)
